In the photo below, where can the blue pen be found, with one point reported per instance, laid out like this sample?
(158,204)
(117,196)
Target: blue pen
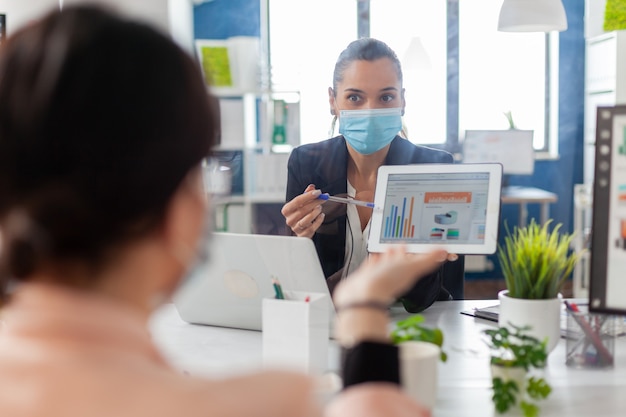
(328,197)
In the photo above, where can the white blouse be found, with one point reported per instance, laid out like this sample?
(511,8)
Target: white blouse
(356,240)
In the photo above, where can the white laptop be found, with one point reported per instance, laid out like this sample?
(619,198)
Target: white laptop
(229,289)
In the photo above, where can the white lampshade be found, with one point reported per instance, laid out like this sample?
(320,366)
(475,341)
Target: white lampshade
(532,16)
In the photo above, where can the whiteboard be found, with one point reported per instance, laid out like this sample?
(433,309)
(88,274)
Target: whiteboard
(513,148)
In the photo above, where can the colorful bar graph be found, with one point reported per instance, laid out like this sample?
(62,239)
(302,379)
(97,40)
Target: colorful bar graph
(399,222)
(403,224)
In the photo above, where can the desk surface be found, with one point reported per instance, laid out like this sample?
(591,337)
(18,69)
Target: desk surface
(464,380)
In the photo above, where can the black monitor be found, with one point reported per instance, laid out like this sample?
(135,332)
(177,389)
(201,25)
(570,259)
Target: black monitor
(607,289)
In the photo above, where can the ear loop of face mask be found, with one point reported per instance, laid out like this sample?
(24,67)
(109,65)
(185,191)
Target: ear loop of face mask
(215,184)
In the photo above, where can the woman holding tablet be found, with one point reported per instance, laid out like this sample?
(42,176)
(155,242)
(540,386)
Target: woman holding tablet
(367,98)
(103,126)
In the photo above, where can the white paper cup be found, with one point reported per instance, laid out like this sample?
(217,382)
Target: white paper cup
(419,363)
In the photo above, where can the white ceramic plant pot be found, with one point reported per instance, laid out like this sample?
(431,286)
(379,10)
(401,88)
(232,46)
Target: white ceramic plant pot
(506,373)
(543,316)
(516,374)
(419,362)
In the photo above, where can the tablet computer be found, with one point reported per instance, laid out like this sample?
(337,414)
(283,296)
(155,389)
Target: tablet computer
(453,206)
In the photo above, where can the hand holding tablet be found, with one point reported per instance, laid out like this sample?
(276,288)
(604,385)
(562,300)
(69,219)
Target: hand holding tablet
(453,206)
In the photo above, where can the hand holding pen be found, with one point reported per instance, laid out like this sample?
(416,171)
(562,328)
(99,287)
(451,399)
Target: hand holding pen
(303,214)
(342,200)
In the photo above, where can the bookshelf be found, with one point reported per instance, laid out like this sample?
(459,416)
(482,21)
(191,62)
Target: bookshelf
(255,143)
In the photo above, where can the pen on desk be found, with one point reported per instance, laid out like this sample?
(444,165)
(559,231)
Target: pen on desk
(593,336)
(278,289)
(326,196)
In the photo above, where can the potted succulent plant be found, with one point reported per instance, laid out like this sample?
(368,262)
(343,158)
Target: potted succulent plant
(535,262)
(517,360)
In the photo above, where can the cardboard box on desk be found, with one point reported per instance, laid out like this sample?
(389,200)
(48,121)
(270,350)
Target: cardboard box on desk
(296,331)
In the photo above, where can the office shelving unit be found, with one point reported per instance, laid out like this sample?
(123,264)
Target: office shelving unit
(605,85)
(262,175)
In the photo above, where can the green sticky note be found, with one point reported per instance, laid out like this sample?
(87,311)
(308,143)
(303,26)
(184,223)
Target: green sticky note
(216,66)
(615,15)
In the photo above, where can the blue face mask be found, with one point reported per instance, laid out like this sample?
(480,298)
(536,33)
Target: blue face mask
(368,131)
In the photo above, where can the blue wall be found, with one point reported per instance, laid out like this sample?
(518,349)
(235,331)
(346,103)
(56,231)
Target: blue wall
(221,19)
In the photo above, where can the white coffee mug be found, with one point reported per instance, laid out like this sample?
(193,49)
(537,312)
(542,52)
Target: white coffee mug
(419,363)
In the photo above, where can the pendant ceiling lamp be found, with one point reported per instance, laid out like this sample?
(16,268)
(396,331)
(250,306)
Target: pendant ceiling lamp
(532,16)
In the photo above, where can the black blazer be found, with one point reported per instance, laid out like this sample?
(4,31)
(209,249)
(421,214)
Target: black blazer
(325,164)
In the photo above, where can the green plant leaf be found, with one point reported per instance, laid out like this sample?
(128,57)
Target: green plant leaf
(538,388)
(529,409)
(411,328)
(504,394)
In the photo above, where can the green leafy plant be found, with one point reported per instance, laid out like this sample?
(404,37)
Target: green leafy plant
(516,349)
(535,261)
(412,328)
(509,118)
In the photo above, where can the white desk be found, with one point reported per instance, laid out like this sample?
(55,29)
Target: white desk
(529,195)
(465,381)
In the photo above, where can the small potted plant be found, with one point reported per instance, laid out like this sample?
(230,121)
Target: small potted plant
(535,263)
(420,351)
(516,363)
(412,329)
